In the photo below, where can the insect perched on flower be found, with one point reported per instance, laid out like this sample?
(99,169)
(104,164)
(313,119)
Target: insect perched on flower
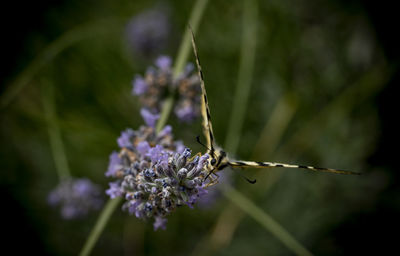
(218,157)
(154,173)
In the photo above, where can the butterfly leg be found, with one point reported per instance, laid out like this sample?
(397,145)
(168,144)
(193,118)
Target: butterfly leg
(193,157)
(213,179)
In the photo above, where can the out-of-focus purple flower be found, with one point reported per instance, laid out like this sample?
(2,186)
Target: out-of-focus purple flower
(160,223)
(143,147)
(186,113)
(114,190)
(149,118)
(156,153)
(187,107)
(114,165)
(164,62)
(179,146)
(125,139)
(202,192)
(159,82)
(213,193)
(139,85)
(167,130)
(76,197)
(147,33)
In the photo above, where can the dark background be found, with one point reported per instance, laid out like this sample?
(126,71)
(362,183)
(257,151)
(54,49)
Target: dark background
(27,25)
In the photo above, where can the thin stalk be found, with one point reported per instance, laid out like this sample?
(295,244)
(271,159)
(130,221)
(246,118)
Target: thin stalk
(265,220)
(246,66)
(165,112)
(100,224)
(183,53)
(185,47)
(56,143)
(273,130)
(52,51)
(182,56)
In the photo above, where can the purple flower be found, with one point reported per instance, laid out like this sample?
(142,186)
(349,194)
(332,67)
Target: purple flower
(125,139)
(159,82)
(186,113)
(163,62)
(156,174)
(195,197)
(156,153)
(69,212)
(76,197)
(149,118)
(158,179)
(143,147)
(132,205)
(180,147)
(139,85)
(166,131)
(114,165)
(115,189)
(148,31)
(203,161)
(160,223)
(82,186)
(214,193)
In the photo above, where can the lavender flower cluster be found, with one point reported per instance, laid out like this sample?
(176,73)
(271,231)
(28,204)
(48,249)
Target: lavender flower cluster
(76,197)
(148,32)
(154,173)
(158,82)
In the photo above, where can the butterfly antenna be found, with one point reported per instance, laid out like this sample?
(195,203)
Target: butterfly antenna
(201,143)
(244,177)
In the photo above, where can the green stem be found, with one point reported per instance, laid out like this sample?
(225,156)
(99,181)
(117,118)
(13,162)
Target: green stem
(246,66)
(100,224)
(276,125)
(183,53)
(182,56)
(185,47)
(52,51)
(166,111)
(56,143)
(265,220)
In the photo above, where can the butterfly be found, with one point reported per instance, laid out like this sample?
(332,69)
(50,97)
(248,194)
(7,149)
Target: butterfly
(219,158)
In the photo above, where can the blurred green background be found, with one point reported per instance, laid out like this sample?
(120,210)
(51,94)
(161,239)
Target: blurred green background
(321,94)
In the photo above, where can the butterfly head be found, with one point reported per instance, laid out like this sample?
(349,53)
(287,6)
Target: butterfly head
(219,159)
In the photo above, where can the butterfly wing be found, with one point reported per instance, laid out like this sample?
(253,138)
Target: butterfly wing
(220,158)
(252,164)
(205,110)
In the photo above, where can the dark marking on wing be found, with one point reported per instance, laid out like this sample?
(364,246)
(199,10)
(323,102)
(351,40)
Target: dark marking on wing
(262,164)
(239,163)
(222,166)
